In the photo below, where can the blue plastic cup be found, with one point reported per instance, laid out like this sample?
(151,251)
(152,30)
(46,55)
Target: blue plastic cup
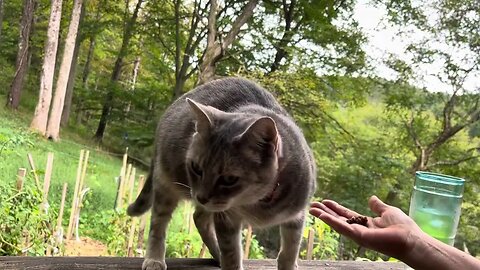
(436,204)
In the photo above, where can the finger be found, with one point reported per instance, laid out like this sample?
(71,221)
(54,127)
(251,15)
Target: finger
(323,207)
(339,209)
(377,206)
(316,212)
(378,222)
(315,204)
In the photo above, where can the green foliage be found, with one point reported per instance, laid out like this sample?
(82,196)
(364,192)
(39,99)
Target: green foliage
(326,241)
(183,239)
(109,226)
(24,226)
(256,250)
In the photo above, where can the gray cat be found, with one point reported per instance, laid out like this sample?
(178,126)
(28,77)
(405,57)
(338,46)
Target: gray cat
(231,148)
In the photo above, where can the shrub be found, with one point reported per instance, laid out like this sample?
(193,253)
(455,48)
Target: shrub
(24,226)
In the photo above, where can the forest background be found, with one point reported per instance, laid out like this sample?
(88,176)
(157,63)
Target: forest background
(102,72)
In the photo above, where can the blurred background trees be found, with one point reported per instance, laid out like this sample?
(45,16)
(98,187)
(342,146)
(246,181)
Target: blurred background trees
(370,128)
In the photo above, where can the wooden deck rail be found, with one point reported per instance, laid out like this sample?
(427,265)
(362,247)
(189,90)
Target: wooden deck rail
(68,263)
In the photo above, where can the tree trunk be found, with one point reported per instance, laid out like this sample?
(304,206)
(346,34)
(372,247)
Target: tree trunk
(196,33)
(1,18)
(53,128)
(216,48)
(91,49)
(40,117)
(136,68)
(179,83)
(178,90)
(281,53)
(21,64)
(86,69)
(213,50)
(88,62)
(108,103)
(71,76)
(85,75)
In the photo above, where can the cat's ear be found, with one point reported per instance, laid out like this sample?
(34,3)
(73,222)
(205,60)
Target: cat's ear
(261,133)
(204,123)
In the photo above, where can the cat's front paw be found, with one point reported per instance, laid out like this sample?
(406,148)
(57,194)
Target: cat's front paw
(287,267)
(151,264)
(287,264)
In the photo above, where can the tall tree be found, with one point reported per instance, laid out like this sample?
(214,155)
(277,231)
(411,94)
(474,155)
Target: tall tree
(40,117)
(1,18)
(21,65)
(53,127)
(217,44)
(133,81)
(117,69)
(95,29)
(71,75)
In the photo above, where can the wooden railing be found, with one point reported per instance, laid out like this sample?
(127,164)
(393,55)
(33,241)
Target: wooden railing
(107,263)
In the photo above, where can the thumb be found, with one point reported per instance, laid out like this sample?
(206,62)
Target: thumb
(376,205)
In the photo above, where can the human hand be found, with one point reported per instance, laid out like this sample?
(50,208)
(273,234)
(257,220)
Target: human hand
(392,232)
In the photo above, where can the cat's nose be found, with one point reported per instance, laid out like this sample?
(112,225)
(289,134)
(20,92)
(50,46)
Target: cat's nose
(202,200)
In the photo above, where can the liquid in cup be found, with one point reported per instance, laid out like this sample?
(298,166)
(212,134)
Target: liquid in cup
(436,203)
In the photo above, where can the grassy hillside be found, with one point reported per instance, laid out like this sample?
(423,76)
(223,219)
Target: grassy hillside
(16,141)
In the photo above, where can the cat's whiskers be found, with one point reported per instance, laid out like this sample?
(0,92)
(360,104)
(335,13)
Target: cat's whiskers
(182,184)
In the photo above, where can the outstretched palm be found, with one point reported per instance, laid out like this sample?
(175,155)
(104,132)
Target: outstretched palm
(392,232)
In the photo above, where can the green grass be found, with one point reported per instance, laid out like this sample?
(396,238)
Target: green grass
(16,141)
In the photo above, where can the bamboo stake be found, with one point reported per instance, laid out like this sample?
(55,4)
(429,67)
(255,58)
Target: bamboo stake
(26,243)
(203,251)
(122,180)
(311,237)
(186,217)
(20,178)
(189,220)
(48,176)
(132,185)
(141,232)
(81,191)
(120,191)
(84,170)
(59,230)
(62,207)
(248,242)
(32,165)
(77,216)
(133,224)
(131,236)
(75,195)
(126,182)
(143,221)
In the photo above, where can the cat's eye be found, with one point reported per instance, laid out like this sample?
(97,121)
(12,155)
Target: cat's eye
(227,181)
(196,169)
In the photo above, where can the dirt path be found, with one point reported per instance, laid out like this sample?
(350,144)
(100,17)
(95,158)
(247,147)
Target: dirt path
(85,247)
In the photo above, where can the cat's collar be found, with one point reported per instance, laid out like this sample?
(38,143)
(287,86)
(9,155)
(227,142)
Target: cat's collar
(272,196)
